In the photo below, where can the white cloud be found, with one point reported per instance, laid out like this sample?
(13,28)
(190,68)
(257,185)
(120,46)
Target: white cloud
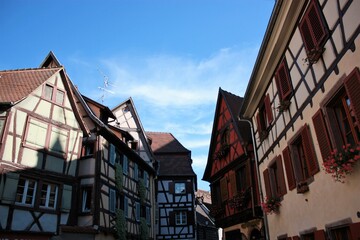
(199,161)
(170,81)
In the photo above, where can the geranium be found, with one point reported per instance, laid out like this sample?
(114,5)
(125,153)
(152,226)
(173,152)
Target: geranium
(341,163)
(271,205)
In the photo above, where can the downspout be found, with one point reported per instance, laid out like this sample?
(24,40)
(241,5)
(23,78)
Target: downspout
(257,174)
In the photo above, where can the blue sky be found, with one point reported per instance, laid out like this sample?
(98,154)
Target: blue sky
(170,56)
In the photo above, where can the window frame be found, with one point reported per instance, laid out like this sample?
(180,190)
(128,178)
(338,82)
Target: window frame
(180,185)
(181,218)
(86,199)
(274,178)
(48,195)
(24,193)
(264,118)
(54,94)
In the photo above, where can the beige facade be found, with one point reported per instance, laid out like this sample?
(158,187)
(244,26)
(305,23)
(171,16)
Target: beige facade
(298,128)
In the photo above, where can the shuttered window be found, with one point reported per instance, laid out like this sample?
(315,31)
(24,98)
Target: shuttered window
(264,118)
(274,179)
(224,189)
(322,135)
(289,168)
(312,28)
(283,81)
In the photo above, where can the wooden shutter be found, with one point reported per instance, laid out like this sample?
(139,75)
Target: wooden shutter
(355,230)
(172,218)
(267,183)
(289,168)
(66,198)
(319,235)
(232,177)
(268,110)
(309,151)
(224,189)
(171,187)
(352,86)
(280,176)
(283,82)
(312,29)
(258,121)
(189,187)
(190,217)
(322,135)
(10,187)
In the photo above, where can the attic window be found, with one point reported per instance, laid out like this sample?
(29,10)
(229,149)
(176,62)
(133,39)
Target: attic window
(53,94)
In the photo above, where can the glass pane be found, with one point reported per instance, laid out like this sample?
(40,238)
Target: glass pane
(180,188)
(36,133)
(59,97)
(48,92)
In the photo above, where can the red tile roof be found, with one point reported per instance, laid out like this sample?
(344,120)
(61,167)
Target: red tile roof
(17,84)
(174,158)
(165,143)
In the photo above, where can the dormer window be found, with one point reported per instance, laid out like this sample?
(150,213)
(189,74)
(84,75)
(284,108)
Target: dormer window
(53,94)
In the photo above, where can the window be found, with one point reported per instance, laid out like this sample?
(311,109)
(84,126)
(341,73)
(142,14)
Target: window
(42,135)
(26,191)
(180,188)
(303,159)
(112,200)
(37,194)
(48,196)
(340,233)
(88,148)
(313,31)
(274,179)
(343,115)
(2,126)
(53,94)
(86,199)
(283,81)
(264,118)
(180,218)
(216,194)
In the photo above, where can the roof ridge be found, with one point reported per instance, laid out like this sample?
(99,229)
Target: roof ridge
(29,69)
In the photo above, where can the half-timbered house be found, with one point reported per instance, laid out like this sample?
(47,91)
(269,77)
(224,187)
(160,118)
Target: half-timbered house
(40,144)
(175,186)
(230,170)
(303,100)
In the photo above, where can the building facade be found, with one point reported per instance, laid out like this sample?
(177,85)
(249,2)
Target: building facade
(175,187)
(230,170)
(303,98)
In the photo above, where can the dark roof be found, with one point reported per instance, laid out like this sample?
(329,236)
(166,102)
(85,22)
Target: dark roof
(165,143)
(18,84)
(174,158)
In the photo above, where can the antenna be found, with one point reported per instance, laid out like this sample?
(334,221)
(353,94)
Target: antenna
(104,88)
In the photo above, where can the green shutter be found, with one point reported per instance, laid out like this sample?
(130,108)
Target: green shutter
(66,198)
(10,187)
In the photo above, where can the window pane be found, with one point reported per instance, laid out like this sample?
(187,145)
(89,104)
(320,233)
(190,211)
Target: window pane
(180,188)
(59,97)
(48,195)
(48,92)
(26,191)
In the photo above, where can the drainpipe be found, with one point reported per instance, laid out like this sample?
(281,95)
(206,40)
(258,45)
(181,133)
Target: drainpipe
(257,174)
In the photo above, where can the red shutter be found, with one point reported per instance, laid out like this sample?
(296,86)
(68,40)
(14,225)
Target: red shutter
(258,122)
(280,175)
(322,134)
(267,183)
(352,86)
(289,168)
(269,114)
(233,186)
(282,78)
(312,28)
(224,189)
(355,231)
(319,235)
(309,151)
(296,238)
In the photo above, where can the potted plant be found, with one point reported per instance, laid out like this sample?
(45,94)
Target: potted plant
(283,105)
(341,163)
(271,205)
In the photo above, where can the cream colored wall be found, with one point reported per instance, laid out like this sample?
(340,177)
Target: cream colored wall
(327,201)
